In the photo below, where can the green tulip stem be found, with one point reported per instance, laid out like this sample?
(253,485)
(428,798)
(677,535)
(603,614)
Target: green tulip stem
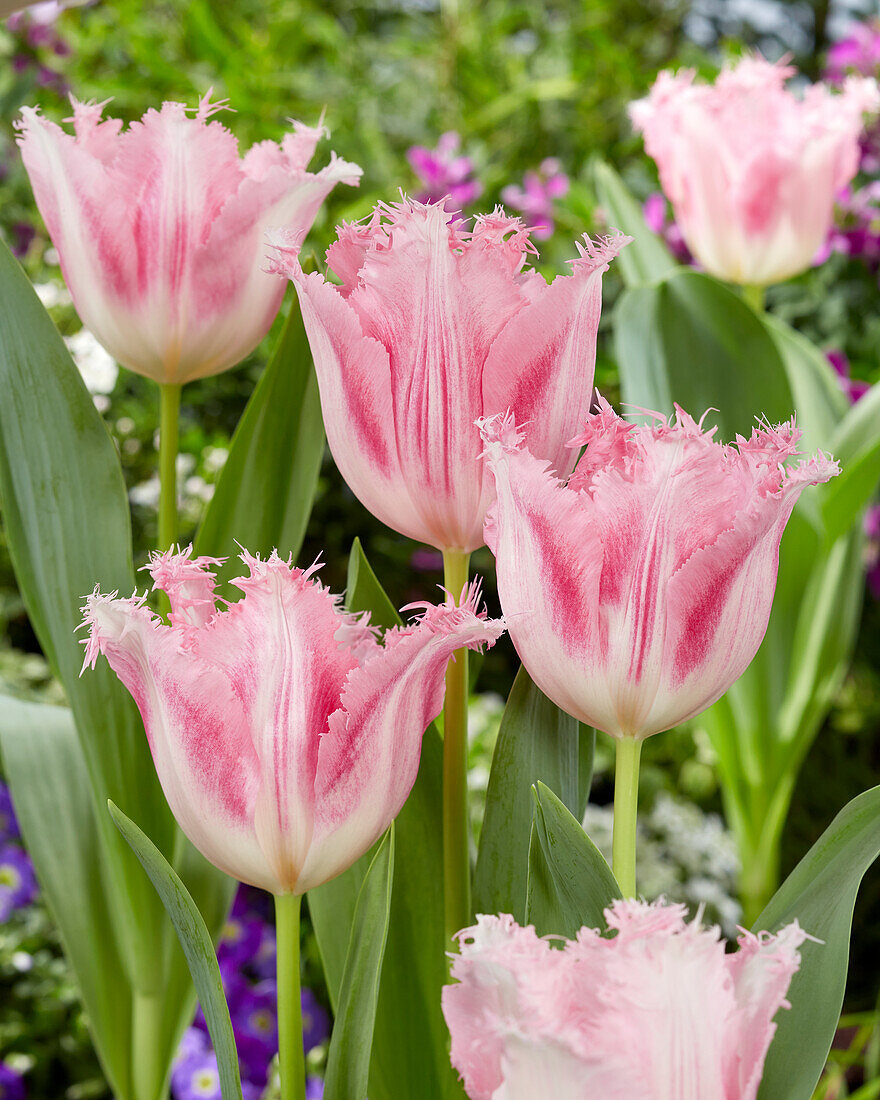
(456,853)
(754,295)
(147,1071)
(626,804)
(169,434)
(290,1034)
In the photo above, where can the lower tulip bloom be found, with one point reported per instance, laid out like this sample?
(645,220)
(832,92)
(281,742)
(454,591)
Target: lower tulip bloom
(656,1011)
(638,591)
(285,736)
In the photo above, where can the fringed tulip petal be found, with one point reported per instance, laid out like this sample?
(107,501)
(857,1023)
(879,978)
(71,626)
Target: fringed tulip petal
(750,168)
(640,590)
(160,229)
(285,736)
(657,1010)
(366,767)
(432,326)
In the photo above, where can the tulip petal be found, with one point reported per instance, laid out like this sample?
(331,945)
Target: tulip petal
(368,760)
(541,365)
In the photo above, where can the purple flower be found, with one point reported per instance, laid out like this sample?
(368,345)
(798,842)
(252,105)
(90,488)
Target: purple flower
(18,886)
(240,940)
(537,195)
(22,236)
(196,1077)
(9,829)
(12,1084)
(314,1088)
(659,220)
(854,388)
(443,173)
(858,53)
(872,550)
(424,560)
(315,1021)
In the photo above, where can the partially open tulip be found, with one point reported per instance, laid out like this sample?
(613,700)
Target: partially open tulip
(160,229)
(656,1011)
(285,736)
(751,168)
(433,325)
(638,591)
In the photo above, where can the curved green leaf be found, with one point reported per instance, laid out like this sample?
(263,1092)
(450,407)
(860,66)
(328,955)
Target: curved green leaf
(65,513)
(348,1061)
(647,258)
(410,1041)
(195,939)
(570,884)
(44,764)
(820,894)
(856,445)
(691,340)
(265,493)
(536,741)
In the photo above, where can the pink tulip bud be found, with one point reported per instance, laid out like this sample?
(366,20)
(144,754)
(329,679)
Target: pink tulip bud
(656,1010)
(750,168)
(285,736)
(433,326)
(638,592)
(161,229)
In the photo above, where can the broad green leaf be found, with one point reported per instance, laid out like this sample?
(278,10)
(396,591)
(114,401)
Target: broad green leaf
(410,1041)
(65,513)
(647,258)
(44,764)
(693,341)
(820,894)
(348,1061)
(856,445)
(570,884)
(265,492)
(195,939)
(536,740)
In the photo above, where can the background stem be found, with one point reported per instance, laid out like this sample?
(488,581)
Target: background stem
(290,1038)
(456,853)
(147,1068)
(626,803)
(169,417)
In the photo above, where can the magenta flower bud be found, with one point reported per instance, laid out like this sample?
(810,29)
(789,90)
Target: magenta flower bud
(285,736)
(638,591)
(161,229)
(656,1010)
(751,170)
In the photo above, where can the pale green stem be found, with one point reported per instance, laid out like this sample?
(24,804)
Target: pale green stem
(754,295)
(290,1036)
(146,1026)
(626,804)
(169,416)
(456,854)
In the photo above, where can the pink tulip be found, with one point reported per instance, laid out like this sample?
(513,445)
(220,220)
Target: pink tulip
(286,738)
(161,229)
(750,168)
(433,325)
(658,1011)
(638,592)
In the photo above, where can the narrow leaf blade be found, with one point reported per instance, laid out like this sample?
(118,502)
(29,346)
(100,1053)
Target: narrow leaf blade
(570,884)
(195,939)
(348,1061)
(53,802)
(536,741)
(820,894)
(265,493)
(647,258)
